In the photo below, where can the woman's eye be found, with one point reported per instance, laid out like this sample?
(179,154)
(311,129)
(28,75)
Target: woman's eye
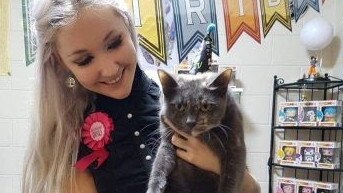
(84,60)
(205,107)
(179,107)
(115,43)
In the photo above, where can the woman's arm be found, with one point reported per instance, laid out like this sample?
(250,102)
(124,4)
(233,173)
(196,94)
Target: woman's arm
(250,185)
(84,182)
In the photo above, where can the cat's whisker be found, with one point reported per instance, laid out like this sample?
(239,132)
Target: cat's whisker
(155,143)
(221,143)
(159,138)
(154,146)
(227,127)
(166,134)
(155,132)
(224,131)
(146,126)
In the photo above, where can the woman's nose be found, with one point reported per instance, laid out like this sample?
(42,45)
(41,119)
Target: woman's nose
(108,66)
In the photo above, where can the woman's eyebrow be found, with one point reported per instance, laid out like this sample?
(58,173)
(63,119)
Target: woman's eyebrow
(108,35)
(77,52)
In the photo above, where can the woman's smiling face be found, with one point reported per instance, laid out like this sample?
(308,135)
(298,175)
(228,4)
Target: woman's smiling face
(97,48)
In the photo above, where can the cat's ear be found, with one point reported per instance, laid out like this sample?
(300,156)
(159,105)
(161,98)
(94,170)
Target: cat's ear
(221,83)
(168,83)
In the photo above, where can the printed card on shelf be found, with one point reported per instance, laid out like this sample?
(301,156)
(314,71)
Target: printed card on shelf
(286,185)
(304,186)
(307,150)
(293,185)
(330,113)
(288,113)
(329,153)
(286,153)
(307,113)
(324,187)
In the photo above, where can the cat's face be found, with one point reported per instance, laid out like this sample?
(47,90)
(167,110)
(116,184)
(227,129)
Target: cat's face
(194,104)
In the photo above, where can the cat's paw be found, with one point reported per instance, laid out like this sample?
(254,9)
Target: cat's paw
(150,190)
(155,190)
(157,187)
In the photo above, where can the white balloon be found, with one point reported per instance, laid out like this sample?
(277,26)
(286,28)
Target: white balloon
(316,34)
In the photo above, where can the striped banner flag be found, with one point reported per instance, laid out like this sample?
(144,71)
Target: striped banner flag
(300,7)
(148,18)
(272,11)
(191,21)
(4,33)
(241,16)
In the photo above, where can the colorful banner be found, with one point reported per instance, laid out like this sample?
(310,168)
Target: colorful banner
(272,11)
(191,21)
(4,37)
(241,16)
(148,18)
(301,5)
(30,48)
(170,32)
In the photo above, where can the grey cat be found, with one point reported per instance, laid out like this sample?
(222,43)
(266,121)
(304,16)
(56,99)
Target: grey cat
(201,107)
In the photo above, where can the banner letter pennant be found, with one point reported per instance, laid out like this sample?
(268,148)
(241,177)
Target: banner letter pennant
(300,7)
(149,22)
(30,42)
(275,10)
(192,18)
(241,16)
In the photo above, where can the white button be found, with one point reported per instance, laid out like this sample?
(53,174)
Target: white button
(129,116)
(148,157)
(137,133)
(142,146)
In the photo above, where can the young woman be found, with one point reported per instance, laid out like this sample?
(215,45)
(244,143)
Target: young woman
(97,123)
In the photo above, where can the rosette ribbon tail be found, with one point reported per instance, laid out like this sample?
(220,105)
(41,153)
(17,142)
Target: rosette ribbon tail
(99,155)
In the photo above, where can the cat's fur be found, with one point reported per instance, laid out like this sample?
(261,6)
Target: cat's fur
(201,107)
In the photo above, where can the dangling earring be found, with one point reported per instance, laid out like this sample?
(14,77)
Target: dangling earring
(70,82)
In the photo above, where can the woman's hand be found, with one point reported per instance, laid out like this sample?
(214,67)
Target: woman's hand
(194,151)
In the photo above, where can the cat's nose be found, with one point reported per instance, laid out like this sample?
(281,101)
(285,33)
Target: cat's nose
(190,124)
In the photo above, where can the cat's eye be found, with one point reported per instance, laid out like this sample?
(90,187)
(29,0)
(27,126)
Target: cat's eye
(179,107)
(205,107)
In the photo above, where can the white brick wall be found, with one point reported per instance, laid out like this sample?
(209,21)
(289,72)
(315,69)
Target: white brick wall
(15,106)
(280,53)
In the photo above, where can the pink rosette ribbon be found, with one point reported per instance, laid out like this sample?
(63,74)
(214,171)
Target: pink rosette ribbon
(95,134)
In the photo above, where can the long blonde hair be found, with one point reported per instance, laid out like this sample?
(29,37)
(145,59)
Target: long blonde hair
(56,134)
